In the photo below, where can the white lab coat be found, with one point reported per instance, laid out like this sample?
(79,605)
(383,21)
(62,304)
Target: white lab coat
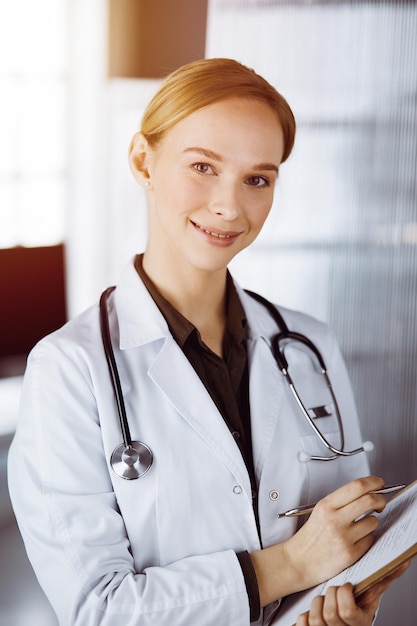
(160,550)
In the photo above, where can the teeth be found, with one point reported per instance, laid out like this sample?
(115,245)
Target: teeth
(209,232)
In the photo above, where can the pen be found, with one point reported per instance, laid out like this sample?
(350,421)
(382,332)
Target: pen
(306,509)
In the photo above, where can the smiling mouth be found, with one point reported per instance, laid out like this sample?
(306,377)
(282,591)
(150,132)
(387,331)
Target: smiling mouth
(211,232)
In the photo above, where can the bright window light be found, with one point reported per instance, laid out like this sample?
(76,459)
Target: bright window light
(34,72)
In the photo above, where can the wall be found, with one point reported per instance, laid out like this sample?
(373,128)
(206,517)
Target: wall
(150,39)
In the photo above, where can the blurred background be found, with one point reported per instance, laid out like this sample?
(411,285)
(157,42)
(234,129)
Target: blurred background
(341,240)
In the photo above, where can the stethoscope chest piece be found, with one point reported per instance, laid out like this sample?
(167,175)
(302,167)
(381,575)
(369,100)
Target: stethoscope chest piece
(132,461)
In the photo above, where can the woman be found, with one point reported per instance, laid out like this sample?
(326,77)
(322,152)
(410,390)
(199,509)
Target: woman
(196,539)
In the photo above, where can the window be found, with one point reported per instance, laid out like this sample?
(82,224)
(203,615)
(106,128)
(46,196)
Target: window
(34,70)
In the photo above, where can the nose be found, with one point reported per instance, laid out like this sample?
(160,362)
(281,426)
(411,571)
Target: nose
(227,200)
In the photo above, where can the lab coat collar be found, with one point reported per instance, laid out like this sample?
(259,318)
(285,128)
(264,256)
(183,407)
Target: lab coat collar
(141,322)
(261,324)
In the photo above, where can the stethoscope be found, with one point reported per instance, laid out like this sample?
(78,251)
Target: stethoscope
(279,342)
(133,459)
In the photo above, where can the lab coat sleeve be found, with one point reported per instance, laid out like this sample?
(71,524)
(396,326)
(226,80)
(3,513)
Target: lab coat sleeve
(73,532)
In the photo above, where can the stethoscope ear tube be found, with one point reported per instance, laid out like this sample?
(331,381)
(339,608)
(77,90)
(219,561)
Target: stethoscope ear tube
(131,459)
(278,344)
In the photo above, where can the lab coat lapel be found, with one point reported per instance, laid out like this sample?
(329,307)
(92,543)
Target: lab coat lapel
(176,378)
(266,396)
(266,385)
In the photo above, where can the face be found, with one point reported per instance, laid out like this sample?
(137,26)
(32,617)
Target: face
(212,181)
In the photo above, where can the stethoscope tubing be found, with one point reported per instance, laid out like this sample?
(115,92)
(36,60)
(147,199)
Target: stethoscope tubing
(114,373)
(130,459)
(133,459)
(278,344)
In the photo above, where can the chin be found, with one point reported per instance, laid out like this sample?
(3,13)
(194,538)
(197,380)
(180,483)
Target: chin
(212,262)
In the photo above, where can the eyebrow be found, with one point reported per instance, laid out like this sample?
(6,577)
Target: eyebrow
(210,154)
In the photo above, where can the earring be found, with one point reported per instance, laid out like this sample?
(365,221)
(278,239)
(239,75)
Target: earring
(147,183)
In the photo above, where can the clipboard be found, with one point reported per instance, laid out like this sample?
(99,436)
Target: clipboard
(404,556)
(395,543)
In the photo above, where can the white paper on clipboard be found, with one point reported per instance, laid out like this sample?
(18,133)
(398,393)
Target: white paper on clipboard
(395,542)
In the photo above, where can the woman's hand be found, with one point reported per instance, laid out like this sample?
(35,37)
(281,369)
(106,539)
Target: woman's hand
(337,534)
(340,608)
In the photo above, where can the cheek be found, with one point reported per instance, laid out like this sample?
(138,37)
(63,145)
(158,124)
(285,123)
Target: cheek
(170,196)
(191,196)
(259,211)
(182,187)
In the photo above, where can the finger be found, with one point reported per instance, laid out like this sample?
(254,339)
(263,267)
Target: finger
(376,591)
(362,507)
(366,504)
(330,608)
(302,620)
(353,501)
(353,490)
(350,611)
(315,616)
(360,547)
(363,527)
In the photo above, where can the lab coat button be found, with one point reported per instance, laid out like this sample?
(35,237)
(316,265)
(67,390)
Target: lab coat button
(274,495)
(237,489)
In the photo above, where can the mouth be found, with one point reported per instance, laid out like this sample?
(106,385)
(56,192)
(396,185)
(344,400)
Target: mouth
(215,233)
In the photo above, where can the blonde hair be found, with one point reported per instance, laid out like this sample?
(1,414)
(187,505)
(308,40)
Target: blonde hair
(205,82)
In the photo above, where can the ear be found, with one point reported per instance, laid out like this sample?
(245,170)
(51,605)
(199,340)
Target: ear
(138,159)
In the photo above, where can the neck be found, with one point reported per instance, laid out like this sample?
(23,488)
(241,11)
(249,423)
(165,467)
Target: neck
(188,289)
(199,295)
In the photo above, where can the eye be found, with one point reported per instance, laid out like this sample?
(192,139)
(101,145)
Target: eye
(258,181)
(203,168)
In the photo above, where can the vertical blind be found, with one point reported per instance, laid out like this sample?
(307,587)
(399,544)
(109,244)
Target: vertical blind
(341,240)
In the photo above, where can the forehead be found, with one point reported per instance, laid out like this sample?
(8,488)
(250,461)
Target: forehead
(235,125)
